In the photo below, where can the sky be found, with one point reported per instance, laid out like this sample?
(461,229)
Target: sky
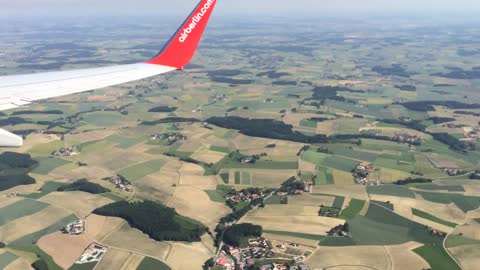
(236,7)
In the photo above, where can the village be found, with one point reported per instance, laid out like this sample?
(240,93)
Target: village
(171,137)
(67,152)
(288,256)
(121,183)
(406,138)
(361,174)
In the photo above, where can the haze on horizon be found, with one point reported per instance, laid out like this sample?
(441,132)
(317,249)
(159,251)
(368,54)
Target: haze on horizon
(238,7)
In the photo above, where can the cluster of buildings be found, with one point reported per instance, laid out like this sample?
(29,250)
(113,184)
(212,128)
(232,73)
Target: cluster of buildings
(407,139)
(257,250)
(219,97)
(435,232)
(121,183)
(453,171)
(74,228)
(473,134)
(361,174)
(283,266)
(170,137)
(66,152)
(342,230)
(245,196)
(93,253)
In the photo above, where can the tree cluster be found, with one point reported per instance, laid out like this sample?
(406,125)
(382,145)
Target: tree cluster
(85,186)
(156,220)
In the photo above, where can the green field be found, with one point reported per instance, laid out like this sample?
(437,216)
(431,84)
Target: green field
(238,178)
(324,176)
(122,142)
(314,157)
(102,119)
(437,257)
(137,171)
(455,240)
(466,203)
(430,217)
(46,189)
(152,264)
(434,187)
(25,242)
(338,202)
(340,163)
(308,123)
(112,196)
(20,209)
(46,164)
(225,177)
(216,196)
(353,209)
(7,258)
(355,154)
(274,199)
(246,178)
(391,190)
(297,235)
(220,149)
(383,227)
(84,266)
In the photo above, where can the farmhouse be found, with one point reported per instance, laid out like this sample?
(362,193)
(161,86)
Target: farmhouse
(74,228)
(453,171)
(66,151)
(247,160)
(93,253)
(170,137)
(407,138)
(361,174)
(121,183)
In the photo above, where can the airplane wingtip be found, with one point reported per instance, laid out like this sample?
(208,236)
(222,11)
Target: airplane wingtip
(182,46)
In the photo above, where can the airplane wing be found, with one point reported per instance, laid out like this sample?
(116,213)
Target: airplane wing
(19,90)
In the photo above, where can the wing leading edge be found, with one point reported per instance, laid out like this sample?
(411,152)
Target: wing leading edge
(19,90)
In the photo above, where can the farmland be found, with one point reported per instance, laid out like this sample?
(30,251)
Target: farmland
(309,108)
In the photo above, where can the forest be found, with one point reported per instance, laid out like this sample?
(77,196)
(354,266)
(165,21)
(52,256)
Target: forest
(156,220)
(237,233)
(85,186)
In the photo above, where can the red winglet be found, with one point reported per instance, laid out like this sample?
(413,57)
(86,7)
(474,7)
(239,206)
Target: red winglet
(181,47)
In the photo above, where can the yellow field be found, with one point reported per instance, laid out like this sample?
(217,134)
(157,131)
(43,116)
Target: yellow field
(80,203)
(63,248)
(273,210)
(208,156)
(375,257)
(290,239)
(284,150)
(403,207)
(18,264)
(307,167)
(310,200)
(134,240)
(467,256)
(195,203)
(269,178)
(277,219)
(188,256)
(353,191)
(30,224)
(100,227)
(114,259)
